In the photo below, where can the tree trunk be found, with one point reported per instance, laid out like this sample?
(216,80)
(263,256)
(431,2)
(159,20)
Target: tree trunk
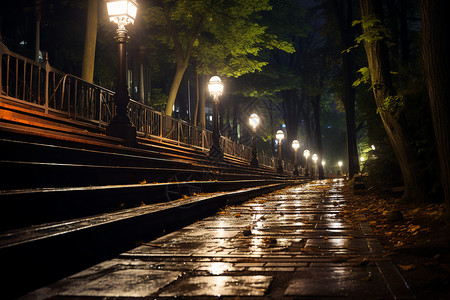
(87,71)
(344,15)
(378,60)
(318,134)
(176,82)
(197,101)
(201,110)
(435,51)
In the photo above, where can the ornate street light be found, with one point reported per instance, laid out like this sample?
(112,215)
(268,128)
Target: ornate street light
(295,145)
(340,167)
(315,158)
(306,155)
(254,122)
(215,87)
(279,136)
(122,13)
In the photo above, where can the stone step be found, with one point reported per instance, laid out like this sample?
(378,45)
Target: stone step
(38,255)
(30,207)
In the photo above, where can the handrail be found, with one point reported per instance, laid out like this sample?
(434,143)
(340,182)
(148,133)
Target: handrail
(42,86)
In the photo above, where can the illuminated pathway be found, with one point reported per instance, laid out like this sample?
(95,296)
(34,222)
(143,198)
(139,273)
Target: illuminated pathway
(289,244)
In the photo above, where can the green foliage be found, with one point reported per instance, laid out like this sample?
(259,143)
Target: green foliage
(159,99)
(373,29)
(394,104)
(230,38)
(365,76)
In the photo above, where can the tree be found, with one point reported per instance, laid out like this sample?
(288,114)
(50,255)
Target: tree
(437,63)
(226,36)
(87,70)
(389,103)
(343,9)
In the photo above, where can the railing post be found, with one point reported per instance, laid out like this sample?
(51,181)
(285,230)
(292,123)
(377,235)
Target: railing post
(178,131)
(161,125)
(99,107)
(47,78)
(203,138)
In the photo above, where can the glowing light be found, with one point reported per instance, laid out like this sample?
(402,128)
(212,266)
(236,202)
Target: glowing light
(122,12)
(254,120)
(280,135)
(215,86)
(306,153)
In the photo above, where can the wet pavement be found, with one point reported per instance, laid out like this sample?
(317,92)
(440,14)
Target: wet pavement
(290,244)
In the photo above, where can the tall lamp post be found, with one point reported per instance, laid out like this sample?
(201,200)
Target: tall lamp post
(254,122)
(315,158)
(122,12)
(306,155)
(295,145)
(340,167)
(279,136)
(215,87)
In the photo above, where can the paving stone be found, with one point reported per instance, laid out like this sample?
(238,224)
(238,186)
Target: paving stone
(218,286)
(338,282)
(296,233)
(123,283)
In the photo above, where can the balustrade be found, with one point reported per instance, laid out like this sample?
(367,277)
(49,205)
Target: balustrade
(46,88)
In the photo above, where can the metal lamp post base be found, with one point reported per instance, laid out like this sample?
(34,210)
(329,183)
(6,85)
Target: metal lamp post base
(216,152)
(125,131)
(254,162)
(279,167)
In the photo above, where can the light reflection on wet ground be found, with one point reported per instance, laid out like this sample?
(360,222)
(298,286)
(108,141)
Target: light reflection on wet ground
(291,243)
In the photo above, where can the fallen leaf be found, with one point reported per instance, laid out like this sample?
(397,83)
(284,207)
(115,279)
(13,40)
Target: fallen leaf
(407,267)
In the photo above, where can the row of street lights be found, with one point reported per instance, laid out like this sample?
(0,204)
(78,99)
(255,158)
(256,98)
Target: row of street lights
(123,13)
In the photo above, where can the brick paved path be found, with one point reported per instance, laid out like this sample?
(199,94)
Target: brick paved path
(289,244)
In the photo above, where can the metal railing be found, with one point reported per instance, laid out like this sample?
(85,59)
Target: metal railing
(44,87)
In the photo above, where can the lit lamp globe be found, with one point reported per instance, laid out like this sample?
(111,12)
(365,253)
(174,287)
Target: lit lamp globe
(306,153)
(122,12)
(295,145)
(280,135)
(254,121)
(215,87)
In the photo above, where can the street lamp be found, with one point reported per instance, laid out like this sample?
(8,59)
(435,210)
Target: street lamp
(254,122)
(295,145)
(340,167)
(215,87)
(122,13)
(280,137)
(306,155)
(315,158)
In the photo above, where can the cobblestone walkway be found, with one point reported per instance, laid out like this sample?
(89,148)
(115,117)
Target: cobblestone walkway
(290,244)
